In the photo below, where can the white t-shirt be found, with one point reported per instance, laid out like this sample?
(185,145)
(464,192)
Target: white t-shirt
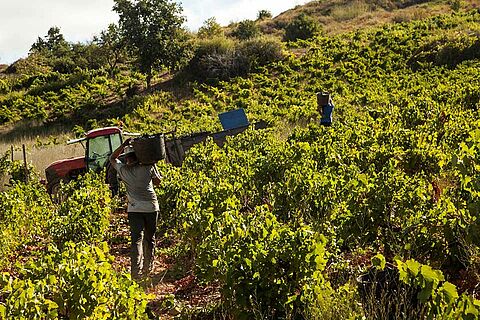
(138,180)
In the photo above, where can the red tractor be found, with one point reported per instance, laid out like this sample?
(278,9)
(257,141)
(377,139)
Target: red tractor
(100,143)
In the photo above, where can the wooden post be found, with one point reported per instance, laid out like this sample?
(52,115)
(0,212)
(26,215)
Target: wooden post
(11,152)
(25,163)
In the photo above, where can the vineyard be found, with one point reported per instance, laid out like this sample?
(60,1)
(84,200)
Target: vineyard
(291,222)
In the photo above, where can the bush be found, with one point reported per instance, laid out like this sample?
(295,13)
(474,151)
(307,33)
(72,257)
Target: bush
(440,297)
(222,58)
(4,87)
(260,51)
(223,66)
(216,45)
(246,29)
(456,5)
(84,213)
(79,283)
(26,211)
(302,27)
(350,10)
(15,170)
(35,63)
(213,58)
(265,267)
(448,51)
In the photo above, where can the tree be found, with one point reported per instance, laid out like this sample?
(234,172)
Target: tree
(57,52)
(53,42)
(264,14)
(152,29)
(210,28)
(246,29)
(112,47)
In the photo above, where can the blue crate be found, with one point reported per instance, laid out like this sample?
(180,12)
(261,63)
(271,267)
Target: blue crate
(233,119)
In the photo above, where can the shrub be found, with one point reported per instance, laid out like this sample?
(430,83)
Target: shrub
(448,51)
(213,58)
(31,107)
(265,267)
(79,283)
(456,5)
(440,297)
(222,66)
(246,29)
(4,87)
(26,211)
(302,27)
(216,45)
(63,64)
(84,213)
(15,170)
(222,58)
(260,51)
(35,63)
(349,11)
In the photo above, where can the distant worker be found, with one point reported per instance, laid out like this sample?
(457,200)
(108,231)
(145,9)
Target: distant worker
(325,108)
(142,207)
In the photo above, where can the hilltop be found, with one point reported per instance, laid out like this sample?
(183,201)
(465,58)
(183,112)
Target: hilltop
(339,16)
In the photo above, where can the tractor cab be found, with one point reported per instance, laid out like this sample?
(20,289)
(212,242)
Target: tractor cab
(100,144)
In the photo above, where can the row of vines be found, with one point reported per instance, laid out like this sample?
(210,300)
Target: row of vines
(284,220)
(55,265)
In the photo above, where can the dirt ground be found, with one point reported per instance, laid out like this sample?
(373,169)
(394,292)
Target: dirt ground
(172,282)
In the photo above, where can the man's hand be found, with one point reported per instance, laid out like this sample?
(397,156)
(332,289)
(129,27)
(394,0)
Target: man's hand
(126,142)
(118,151)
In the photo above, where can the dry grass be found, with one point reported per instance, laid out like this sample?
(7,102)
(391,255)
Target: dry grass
(44,144)
(339,16)
(349,11)
(40,156)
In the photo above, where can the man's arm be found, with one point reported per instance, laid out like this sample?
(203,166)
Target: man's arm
(156,177)
(115,154)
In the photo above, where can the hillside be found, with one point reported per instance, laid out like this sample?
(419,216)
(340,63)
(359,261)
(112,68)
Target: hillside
(29,92)
(298,220)
(340,16)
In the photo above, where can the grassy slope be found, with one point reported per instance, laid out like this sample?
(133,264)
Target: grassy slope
(82,98)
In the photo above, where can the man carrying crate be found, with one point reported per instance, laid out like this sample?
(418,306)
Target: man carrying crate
(325,108)
(142,207)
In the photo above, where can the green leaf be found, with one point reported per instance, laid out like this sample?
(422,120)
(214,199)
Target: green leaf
(431,275)
(413,266)
(425,293)
(291,299)
(450,291)
(379,262)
